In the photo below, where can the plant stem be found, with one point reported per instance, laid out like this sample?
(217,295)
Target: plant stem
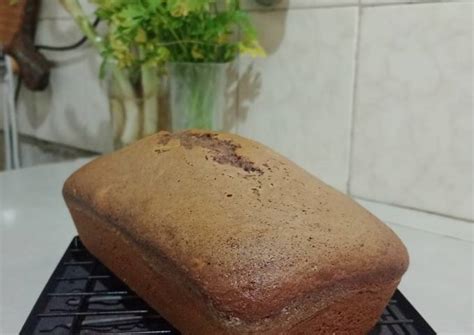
(76,11)
(202,107)
(150,89)
(150,82)
(131,129)
(118,119)
(181,45)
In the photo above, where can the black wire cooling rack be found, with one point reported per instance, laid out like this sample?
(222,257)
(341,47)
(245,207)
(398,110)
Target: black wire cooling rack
(84,297)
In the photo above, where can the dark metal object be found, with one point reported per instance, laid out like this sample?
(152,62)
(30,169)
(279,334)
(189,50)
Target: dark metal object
(84,297)
(17,30)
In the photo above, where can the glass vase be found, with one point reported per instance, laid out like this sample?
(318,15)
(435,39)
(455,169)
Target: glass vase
(197,95)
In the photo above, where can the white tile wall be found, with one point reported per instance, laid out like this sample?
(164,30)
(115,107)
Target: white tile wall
(298,99)
(53,9)
(413,126)
(385,2)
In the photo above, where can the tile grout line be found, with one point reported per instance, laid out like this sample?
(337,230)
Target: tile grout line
(43,144)
(461,239)
(354,112)
(354,97)
(408,2)
(457,218)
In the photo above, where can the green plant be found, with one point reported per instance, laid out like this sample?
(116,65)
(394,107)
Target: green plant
(144,35)
(157,31)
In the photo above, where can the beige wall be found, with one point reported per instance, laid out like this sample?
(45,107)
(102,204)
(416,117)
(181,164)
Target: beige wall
(375,97)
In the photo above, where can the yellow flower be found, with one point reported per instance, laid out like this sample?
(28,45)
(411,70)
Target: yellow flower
(121,52)
(196,53)
(180,10)
(140,37)
(252,48)
(222,38)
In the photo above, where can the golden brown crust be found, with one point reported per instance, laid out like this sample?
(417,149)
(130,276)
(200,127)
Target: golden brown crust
(174,299)
(353,313)
(251,232)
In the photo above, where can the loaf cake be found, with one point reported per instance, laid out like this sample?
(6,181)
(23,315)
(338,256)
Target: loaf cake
(221,235)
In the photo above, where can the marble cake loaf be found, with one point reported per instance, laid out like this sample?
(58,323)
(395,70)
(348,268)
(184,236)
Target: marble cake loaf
(222,235)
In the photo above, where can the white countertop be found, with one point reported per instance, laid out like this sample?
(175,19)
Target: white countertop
(35,229)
